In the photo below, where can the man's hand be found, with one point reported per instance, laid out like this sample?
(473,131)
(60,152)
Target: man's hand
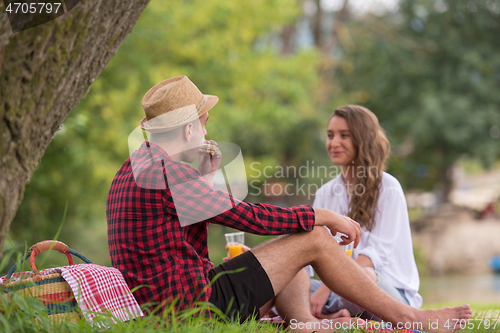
(339,223)
(318,300)
(245,249)
(208,163)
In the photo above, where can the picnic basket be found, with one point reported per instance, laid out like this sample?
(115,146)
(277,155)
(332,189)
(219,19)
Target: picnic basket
(51,289)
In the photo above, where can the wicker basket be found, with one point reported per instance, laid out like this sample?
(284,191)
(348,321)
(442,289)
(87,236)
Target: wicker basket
(52,290)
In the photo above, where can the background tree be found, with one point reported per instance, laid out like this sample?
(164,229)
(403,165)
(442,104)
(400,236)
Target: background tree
(267,106)
(44,71)
(431,72)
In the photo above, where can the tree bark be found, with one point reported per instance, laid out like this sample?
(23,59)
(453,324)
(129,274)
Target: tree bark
(44,72)
(446,183)
(341,19)
(288,38)
(317,23)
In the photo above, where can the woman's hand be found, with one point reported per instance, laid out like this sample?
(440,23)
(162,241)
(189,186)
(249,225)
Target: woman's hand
(319,299)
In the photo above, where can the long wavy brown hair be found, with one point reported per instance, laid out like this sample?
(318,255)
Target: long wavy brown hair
(372,150)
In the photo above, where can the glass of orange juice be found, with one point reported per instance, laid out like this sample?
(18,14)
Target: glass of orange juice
(347,248)
(235,242)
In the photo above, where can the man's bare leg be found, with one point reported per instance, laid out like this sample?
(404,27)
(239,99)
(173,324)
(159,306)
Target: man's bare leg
(294,302)
(296,293)
(284,257)
(345,312)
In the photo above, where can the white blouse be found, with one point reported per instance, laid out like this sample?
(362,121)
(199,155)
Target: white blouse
(389,244)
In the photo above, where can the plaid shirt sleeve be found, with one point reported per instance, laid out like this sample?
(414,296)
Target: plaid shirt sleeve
(195,201)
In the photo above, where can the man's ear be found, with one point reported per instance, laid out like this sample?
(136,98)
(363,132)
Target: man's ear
(188,131)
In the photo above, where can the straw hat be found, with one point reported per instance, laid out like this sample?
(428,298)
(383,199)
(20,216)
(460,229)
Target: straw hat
(173,103)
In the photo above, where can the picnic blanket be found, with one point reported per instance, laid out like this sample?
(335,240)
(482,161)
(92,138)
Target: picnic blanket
(98,290)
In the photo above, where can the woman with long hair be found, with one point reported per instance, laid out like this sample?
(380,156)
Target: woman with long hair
(364,192)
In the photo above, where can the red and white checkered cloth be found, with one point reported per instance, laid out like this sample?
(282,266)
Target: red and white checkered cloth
(97,289)
(100,289)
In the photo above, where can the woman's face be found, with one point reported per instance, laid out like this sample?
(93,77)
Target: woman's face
(339,143)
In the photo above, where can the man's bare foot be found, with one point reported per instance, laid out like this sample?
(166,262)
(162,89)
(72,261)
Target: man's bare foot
(441,320)
(338,314)
(325,325)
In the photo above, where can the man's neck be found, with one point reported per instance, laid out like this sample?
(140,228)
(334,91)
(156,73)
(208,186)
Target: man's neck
(174,149)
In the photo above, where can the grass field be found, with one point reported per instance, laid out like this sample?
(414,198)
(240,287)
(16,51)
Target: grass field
(20,314)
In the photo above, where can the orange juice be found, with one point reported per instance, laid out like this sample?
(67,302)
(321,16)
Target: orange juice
(348,252)
(235,250)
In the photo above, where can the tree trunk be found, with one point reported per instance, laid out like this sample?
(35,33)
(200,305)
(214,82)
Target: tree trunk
(44,72)
(317,23)
(288,37)
(446,183)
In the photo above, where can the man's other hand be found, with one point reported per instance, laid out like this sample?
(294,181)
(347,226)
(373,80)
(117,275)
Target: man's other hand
(245,249)
(208,163)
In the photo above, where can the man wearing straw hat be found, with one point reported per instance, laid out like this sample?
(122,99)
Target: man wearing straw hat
(158,211)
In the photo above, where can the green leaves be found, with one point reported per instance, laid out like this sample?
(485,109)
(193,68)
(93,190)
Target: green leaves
(436,86)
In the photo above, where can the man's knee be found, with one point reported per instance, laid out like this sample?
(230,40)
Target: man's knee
(371,273)
(322,236)
(317,239)
(308,243)
(319,233)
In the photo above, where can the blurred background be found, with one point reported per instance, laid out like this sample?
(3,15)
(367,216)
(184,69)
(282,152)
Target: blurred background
(429,70)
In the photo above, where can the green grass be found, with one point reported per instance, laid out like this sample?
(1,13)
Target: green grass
(23,314)
(480,313)
(476,307)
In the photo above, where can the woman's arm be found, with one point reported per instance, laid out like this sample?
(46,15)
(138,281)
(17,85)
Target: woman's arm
(364,261)
(390,218)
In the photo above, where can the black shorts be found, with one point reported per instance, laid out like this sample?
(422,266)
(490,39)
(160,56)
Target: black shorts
(240,294)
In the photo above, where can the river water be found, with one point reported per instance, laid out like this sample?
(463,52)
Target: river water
(461,288)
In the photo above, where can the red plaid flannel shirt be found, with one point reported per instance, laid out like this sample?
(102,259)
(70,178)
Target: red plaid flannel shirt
(149,245)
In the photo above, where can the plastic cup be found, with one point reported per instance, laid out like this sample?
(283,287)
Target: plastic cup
(232,238)
(347,248)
